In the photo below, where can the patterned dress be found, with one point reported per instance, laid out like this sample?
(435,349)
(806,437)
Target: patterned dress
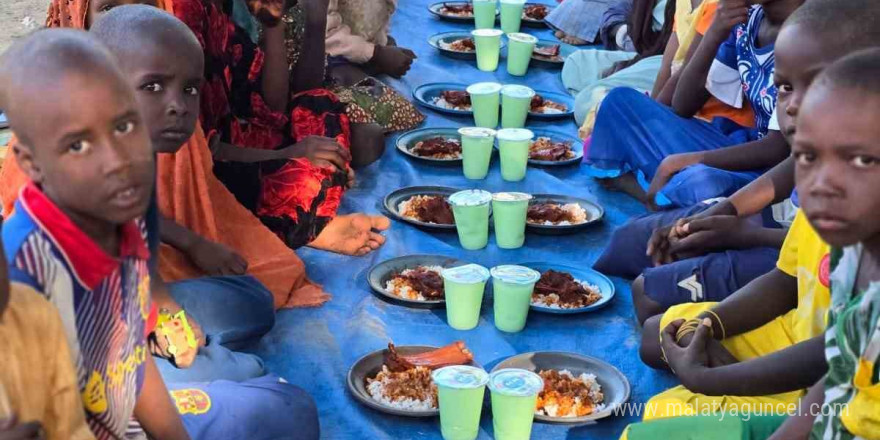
(292,197)
(852,348)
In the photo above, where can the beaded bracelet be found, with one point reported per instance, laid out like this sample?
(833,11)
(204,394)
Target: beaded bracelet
(720,324)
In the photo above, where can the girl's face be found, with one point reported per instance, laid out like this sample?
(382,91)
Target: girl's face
(837,156)
(99,7)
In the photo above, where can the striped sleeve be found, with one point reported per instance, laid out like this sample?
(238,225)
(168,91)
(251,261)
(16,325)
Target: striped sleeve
(723,81)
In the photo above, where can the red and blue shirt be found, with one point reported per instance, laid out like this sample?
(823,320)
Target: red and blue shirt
(104,302)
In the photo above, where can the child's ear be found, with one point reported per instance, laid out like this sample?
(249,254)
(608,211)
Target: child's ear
(25,158)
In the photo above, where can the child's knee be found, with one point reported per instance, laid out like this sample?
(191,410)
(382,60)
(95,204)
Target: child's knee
(644,306)
(650,351)
(624,255)
(367,144)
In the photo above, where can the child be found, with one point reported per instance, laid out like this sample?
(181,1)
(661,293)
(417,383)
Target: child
(732,242)
(837,150)
(76,237)
(46,397)
(634,134)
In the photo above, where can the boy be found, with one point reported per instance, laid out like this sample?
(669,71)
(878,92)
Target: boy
(778,318)
(35,399)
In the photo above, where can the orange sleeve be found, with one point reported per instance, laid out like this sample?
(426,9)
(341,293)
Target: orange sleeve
(706,17)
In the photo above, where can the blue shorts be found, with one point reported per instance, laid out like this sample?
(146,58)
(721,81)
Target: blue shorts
(710,277)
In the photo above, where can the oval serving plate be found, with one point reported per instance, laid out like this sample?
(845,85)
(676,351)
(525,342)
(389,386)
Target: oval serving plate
(594,213)
(530,22)
(435,9)
(577,146)
(425,95)
(394,198)
(615,385)
(382,272)
(407,141)
(589,276)
(561,98)
(369,366)
(564,51)
(448,37)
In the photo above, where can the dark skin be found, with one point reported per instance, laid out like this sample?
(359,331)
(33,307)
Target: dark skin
(100,7)
(92,158)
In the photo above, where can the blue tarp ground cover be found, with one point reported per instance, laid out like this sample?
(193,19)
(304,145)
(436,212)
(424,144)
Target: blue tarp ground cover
(314,348)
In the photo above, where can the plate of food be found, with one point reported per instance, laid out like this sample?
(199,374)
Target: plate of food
(577,389)
(397,380)
(566,290)
(551,214)
(534,14)
(423,206)
(551,54)
(550,148)
(454,11)
(412,280)
(551,105)
(459,45)
(439,145)
(449,98)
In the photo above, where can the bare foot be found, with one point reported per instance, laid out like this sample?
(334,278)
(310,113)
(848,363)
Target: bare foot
(353,234)
(625,183)
(568,39)
(559,34)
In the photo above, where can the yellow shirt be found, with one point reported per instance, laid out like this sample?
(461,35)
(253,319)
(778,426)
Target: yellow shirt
(37,379)
(804,255)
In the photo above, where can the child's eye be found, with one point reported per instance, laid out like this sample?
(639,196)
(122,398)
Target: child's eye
(864,161)
(785,88)
(79,147)
(106,8)
(803,158)
(192,91)
(124,127)
(153,87)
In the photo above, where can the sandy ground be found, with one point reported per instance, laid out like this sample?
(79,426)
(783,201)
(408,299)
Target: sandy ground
(18,17)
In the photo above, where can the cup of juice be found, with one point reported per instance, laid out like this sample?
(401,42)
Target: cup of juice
(509,211)
(519,52)
(460,390)
(484,13)
(512,288)
(476,151)
(488,43)
(511,15)
(515,104)
(463,287)
(513,146)
(471,211)
(514,398)
(485,103)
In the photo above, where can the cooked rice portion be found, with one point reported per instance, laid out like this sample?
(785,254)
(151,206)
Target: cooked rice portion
(427,209)
(566,395)
(454,100)
(543,148)
(418,284)
(438,148)
(554,214)
(411,390)
(460,45)
(560,290)
(457,10)
(541,105)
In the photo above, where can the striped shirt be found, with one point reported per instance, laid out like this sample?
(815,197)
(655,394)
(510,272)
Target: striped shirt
(103,302)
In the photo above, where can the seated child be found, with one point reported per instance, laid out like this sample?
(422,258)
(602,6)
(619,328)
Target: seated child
(837,149)
(38,390)
(285,157)
(732,242)
(77,237)
(635,138)
(580,22)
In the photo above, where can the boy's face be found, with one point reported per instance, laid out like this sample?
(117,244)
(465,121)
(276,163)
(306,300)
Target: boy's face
(100,7)
(799,58)
(837,154)
(89,152)
(167,79)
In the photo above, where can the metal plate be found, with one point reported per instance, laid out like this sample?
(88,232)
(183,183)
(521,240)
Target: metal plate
(394,198)
(382,272)
(594,211)
(590,276)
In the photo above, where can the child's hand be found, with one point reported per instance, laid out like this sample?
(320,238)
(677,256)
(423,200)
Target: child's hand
(392,60)
(700,236)
(216,259)
(350,178)
(730,13)
(718,355)
(668,168)
(10,429)
(689,361)
(661,240)
(267,12)
(320,151)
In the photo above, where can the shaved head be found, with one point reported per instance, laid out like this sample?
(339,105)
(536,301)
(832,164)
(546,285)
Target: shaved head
(126,30)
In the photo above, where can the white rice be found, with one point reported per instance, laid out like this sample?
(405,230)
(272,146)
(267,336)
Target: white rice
(449,46)
(440,102)
(541,300)
(404,207)
(401,290)
(579,213)
(551,111)
(376,390)
(595,395)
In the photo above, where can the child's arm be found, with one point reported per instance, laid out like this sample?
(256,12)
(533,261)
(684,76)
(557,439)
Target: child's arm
(793,368)
(320,151)
(668,91)
(154,410)
(308,73)
(275,82)
(799,425)
(691,93)
(760,301)
(214,258)
(665,67)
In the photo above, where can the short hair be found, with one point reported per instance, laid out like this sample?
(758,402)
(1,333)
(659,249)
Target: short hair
(124,29)
(859,71)
(846,25)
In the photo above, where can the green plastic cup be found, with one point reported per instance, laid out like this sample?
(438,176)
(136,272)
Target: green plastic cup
(511,15)
(515,104)
(512,289)
(460,391)
(513,146)
(488,43)
(476,151)
(471,211)
(519,53)
(485,103)
(484,13)
(509,212)
(463,287)
(514,397)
